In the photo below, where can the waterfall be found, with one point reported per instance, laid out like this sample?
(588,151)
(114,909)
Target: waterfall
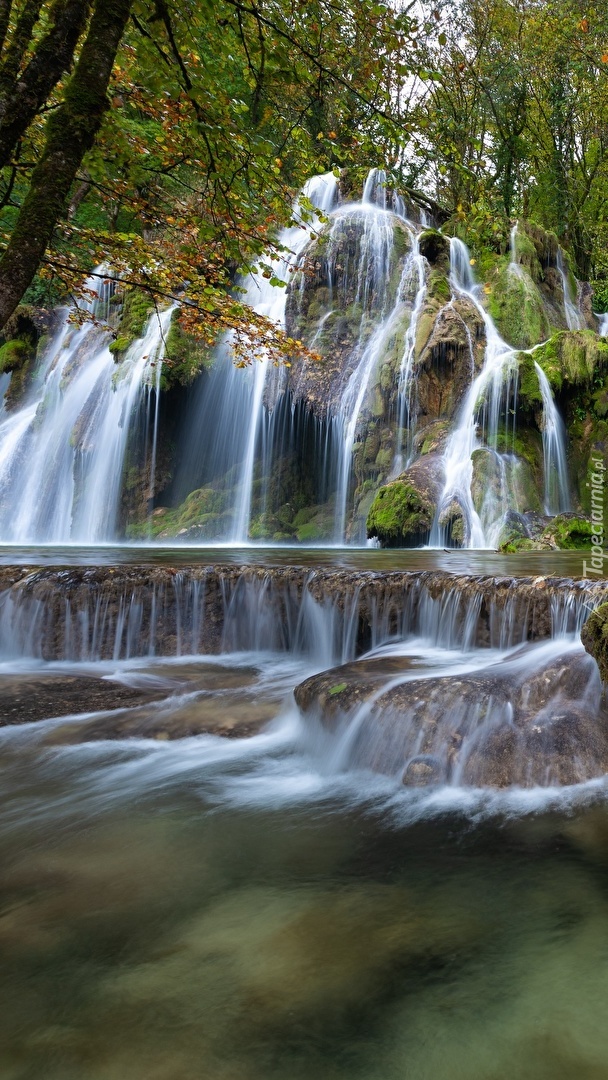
(603,325)
(557,495)
(62,451)
(574,319)
(415,278)
(514,267)
(485,414)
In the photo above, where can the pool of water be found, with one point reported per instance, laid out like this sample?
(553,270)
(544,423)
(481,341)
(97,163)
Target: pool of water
(556,563)
(211,908)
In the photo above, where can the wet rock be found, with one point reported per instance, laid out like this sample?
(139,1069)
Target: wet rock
(27,698)
(326,311)
(423,771)
(594,637)
(529,720)
(98,612)
(450,343)
(403,511)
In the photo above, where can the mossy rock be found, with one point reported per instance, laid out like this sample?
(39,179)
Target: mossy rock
(516,307)
(185,356)
(570,358)
(569,533)
(436,249)
(13,355)
(137,308)
(594,636)
(400,516)
(438,287)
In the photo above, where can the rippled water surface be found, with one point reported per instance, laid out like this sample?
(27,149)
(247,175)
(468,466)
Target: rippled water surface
(213,909)
(556,563)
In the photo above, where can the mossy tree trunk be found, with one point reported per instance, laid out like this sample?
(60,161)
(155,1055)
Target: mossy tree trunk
(24,91)
(71,131)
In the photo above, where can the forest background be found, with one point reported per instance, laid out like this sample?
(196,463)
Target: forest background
(168,139)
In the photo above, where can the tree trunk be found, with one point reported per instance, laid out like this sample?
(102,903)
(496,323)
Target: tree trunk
(71,131)
(22,98)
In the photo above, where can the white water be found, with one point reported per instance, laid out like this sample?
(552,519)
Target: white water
(557,495)
(62,451)
(270,301)
(416,271)
(486,413)
(574,319)
(603,325)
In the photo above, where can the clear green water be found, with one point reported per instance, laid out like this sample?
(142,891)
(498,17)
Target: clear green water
(214,910)
(227,909)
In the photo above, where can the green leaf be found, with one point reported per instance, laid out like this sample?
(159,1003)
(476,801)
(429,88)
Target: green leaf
(338,688)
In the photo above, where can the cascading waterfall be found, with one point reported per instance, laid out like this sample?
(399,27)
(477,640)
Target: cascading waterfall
(416,279)
(487,413)
(270,301)
(62,451)
(574,319)
(373,286)
(557,495)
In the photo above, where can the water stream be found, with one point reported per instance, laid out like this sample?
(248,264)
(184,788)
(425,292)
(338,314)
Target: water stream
(202,877)
(63,450)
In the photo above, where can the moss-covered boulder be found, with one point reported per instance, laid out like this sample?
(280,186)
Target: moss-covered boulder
(569,359)
(403,511)
(435,247)
(594,637)
(516,306)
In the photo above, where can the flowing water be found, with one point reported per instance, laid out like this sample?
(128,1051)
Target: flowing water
(574,318)
(63,450)
(557,495)
(201,879)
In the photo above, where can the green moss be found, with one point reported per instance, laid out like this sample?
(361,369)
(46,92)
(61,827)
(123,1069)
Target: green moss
(308,534)
(571,356)
(438,287)
(517,308)
(136,310)
(399,515)
(594,637)
(14,354)
(569,533)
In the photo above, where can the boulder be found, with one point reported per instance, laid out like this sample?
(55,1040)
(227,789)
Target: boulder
(403,511)
(531,719)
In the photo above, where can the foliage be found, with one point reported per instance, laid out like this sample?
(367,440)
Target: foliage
(219,113)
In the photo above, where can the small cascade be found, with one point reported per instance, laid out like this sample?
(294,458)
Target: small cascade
(603,325)
(62,451)
(487,420)
(574,319)
(92,613)
(557,494)
(514,267)
(415,284)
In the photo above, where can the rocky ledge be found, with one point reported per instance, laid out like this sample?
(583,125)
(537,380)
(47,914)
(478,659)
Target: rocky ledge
(114,612)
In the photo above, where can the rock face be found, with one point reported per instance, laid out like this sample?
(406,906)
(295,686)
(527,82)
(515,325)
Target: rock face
(594,637)
(349,280)
(522,722)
